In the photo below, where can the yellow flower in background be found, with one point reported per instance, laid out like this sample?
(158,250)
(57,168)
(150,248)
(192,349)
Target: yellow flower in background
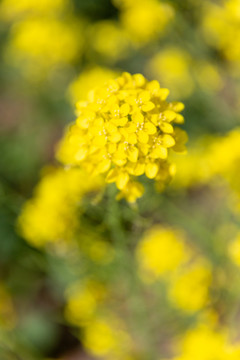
(219,155)
(52,213)
(206,343)
(124,130)
(11,9)
(109,41)
(234,250)
(160,251)
(89,79)
(144,20)
(83,301)
(189,287)
(38,45)
(221,29)
(171,68)
(105,337)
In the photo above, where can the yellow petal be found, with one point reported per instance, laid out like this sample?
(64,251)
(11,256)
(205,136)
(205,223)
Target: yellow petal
(151,170)
(115,137)
(104,165)
(133,153)
(132,139)
(122,180)
(159,152)
(144,96)
(139,169)
(169,115)
(148,106)
(177,106)
(112,176)
(143,137)
(81,154)
(166,127)
(168,140)
(124,109)
(138,117)
(139,80)
(99,140)
(150,128)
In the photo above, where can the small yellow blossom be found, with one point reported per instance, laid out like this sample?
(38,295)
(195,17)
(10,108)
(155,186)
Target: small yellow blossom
(189,287)
(11,9)
(234,250)
(144,20)
(171,67)
(221,29)
(161,251)
(51,215)
(38,45)
(206,343)
(124,130)
(83,301)
(105,337)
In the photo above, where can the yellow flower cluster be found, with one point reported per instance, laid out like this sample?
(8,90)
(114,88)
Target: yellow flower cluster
(51,215)
(221,28)
(189,287)
(214,156)
(206,343)
(163,253)
(144,20)
(33,49)
(160,251)
(171,66)
(178,70)
(105,337)
(83,300)
(124,130)
(11,9)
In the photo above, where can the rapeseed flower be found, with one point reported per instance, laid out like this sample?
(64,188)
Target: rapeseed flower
(51,215)
(144,20)
(11,9)
(206,343)
(161,251)
(106,337)
(125,130)
(221,28)
(189,287)
(38,45)
(83,301)
(171,66)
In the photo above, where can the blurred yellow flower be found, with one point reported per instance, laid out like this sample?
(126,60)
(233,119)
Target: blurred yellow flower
(206,343)
(160,251)
(234,250)
(125,130)
(105,337)
(83,301)
(38,45)
(144,20)
(221,29)
(51,215)
(189,287)
(11,9)
(171,68)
